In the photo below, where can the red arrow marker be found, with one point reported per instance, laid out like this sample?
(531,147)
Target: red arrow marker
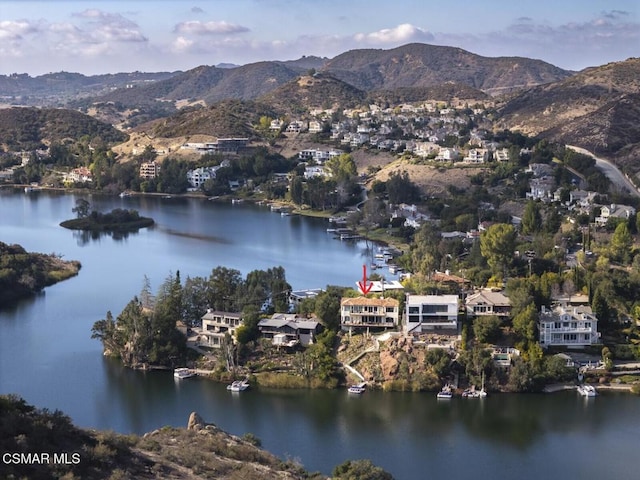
(364,287)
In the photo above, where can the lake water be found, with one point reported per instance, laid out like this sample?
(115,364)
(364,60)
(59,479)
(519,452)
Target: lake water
(48,357)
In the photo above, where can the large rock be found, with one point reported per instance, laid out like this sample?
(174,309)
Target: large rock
(195,422)
(388,364)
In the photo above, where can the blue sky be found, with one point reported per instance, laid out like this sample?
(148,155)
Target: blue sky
(93,37)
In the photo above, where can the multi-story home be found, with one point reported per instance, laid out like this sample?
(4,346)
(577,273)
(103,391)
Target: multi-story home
(217,325)
(541,188)
(80,174)
(431,312)
(295,126)
(488,302)
(149,170)
(614,211)
(288,329)
(199,176)
(362,312)
(424,149)
(447,155)
(315,126)
(568,326)
(476,155)
(501,155)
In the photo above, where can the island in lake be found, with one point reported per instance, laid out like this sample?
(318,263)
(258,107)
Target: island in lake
(118,220)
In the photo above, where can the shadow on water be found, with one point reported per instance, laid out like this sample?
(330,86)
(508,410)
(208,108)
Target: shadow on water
(195,236)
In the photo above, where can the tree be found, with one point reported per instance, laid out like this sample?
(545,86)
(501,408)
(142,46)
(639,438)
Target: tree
(621,242)
(82,208)
(296,190)
(328,307)
(601,308)
(341,167)
(400,189)
(524,324)
(486,329)
(531,218)
(497,245)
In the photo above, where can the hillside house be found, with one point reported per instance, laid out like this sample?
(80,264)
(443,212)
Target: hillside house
(447,155)
(431,312)
(364,313)
(487,302)
(568,326)
(149,170)
(614,211)
(476,155)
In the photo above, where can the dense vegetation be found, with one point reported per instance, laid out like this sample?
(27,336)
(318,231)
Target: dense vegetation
(23,273)
(145,333)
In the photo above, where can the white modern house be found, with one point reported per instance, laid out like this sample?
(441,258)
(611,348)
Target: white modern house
(431,312)
(568,326)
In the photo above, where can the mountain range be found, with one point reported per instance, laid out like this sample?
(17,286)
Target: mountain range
(594,108)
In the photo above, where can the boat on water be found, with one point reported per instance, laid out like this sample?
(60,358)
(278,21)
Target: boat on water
(446,392)
(181,373)
(587,390)
(357,389)
(473,393)
(238,386)
(124,194)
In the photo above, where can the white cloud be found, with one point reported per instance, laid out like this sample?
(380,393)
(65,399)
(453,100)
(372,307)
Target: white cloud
(182,45)
(15,30)
(196,27)
(404,33)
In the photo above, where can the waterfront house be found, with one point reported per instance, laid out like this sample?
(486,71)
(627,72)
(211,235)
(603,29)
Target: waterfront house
(568,326)
(488,302)
(216,325)
(363,313)
(149,170)
(431,312)
(80,175)
(289,329)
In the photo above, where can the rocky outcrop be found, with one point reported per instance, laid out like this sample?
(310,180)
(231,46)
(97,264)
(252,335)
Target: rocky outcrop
(195,422)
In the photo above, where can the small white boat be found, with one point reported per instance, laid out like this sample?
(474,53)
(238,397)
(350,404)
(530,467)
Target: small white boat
(445,392)
(587,390)
(357,389)
(238,386)
(125,194)
(183,373)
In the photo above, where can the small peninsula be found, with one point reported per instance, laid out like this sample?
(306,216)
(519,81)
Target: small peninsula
(119,220)
(23,273)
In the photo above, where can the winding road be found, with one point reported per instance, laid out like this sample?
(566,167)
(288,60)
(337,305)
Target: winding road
(611,171)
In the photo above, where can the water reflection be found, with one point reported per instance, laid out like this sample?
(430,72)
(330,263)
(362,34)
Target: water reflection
(84,237)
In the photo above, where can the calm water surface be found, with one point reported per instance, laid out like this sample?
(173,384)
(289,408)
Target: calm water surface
(47,356)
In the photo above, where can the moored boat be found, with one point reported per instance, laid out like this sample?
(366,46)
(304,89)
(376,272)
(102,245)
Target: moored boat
(238,386)
(446,392)
(181,373)
(587,390)
(357,389)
